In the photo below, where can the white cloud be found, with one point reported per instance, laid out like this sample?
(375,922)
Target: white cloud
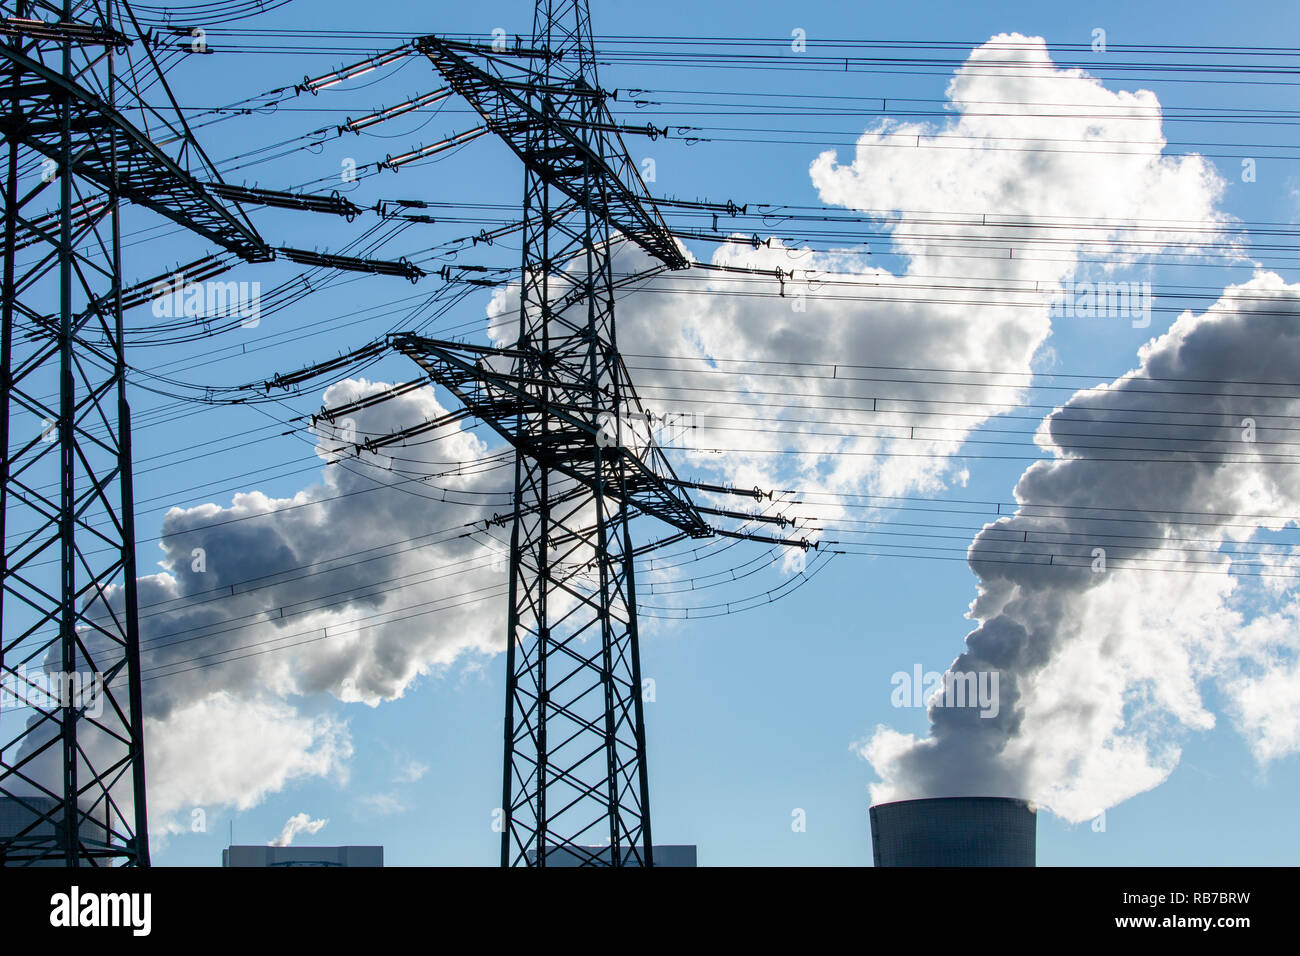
(296,824)
(382,804)
(223,750)
(355,588)
(410,771)
(1102,674)
(876,324)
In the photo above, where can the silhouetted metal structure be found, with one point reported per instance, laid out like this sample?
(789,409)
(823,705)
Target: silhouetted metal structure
(73,773)
(585,462)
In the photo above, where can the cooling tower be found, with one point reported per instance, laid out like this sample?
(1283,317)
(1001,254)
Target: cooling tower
(954,831)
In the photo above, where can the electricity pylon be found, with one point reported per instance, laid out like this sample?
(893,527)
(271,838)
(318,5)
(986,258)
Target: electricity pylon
(585,463)
(72,782)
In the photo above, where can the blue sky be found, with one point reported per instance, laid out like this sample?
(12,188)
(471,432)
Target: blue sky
(756,714)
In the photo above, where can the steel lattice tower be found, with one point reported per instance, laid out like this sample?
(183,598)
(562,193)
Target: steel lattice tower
(575,752)
(73,772)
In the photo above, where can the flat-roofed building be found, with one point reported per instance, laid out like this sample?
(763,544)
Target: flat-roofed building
(302,856)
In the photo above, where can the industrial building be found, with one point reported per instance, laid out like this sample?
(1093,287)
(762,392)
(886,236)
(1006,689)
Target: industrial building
(954,831)
(303,856)
(17,816)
